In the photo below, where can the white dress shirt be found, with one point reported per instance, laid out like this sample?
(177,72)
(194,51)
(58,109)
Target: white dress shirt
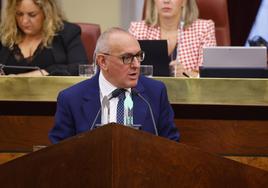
(106,88)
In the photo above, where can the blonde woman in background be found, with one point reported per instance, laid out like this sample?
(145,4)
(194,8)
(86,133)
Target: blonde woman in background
(34,33)
(177,22)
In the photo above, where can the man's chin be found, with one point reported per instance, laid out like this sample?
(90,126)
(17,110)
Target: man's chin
(132,83)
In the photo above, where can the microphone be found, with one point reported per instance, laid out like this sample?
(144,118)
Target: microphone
(181,26)
(106,100)
(105,109)
(136,92)
(181,33)
(2,66)
(258,41)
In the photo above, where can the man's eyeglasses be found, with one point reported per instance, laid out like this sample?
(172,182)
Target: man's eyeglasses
(128,58)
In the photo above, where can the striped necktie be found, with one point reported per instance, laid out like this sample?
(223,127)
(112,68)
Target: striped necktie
(120,108)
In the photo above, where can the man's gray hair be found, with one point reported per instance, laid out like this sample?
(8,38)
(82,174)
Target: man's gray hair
(103,45)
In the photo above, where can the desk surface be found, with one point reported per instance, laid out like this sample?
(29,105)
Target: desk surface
(193,91)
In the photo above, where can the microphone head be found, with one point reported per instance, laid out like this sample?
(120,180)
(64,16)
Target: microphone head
(134,91)
(258,41)
(105,102)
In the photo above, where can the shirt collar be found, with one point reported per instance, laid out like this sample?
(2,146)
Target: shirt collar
(106,88)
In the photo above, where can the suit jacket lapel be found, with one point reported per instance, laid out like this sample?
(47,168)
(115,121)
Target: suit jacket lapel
(91,104)
(140,108)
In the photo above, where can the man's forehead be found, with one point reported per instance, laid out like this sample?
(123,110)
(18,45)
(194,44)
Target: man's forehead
(125,46)
(120,49)
(118,36)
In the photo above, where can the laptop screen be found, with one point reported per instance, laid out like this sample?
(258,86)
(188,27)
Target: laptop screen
(156,54)
(235,57)
(234,62)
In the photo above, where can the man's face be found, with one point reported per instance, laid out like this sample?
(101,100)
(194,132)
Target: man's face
(117,72)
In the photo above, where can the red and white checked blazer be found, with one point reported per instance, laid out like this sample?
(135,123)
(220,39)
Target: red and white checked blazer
(199,34)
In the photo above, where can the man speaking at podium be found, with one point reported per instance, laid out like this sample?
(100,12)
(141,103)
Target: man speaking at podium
(118,56)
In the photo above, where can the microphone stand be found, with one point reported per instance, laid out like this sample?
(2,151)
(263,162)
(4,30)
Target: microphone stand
(178,46)
(114,94)
(136,92)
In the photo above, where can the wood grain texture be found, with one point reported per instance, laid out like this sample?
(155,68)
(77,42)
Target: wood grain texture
(226,137)
(117,156)
(5,157)
(225,130)
(21,133)
(258,162)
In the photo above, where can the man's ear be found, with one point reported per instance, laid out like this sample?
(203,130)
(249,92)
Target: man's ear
(100,59)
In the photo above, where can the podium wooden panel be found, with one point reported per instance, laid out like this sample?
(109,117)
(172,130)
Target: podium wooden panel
(219,115)
(117,156)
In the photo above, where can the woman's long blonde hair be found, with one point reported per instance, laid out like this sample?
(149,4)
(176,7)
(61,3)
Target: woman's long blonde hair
(10,34)
(190,13)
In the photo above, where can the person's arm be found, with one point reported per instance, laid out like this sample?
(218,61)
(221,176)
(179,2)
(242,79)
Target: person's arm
(69,42)
(40,72)
(63,127)
(166,125)
(208,39)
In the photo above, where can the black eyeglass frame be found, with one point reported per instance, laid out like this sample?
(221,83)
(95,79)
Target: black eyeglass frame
(128,58)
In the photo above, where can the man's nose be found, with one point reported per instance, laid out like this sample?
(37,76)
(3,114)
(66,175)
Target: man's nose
(136,63)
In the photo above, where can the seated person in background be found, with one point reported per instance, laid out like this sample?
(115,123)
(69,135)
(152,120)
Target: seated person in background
(118,56)
(34,34)
(177,22)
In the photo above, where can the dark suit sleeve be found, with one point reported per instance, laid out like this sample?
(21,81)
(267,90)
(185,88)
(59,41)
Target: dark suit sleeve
(63,121)
(4,54)
(68,51)
(167,127)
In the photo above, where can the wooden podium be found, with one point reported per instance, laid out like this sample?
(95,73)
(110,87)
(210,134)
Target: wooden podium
(117,156)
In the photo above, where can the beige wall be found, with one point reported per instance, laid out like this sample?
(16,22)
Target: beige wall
(107,13)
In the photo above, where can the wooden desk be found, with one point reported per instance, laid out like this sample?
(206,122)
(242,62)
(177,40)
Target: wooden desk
(223,116)
(189,91)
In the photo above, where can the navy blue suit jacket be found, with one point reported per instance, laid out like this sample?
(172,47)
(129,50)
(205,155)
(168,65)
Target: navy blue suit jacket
(77,107)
